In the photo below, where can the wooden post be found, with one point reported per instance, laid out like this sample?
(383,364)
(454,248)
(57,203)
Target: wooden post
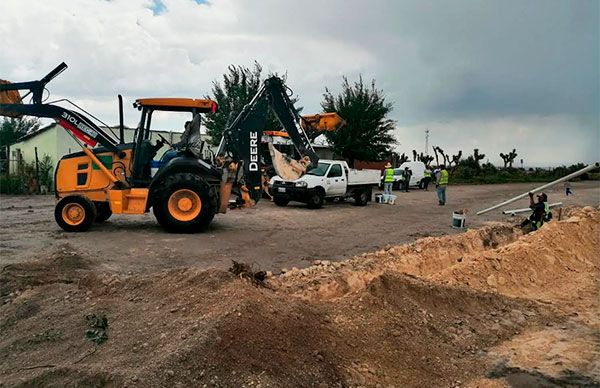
(37,172)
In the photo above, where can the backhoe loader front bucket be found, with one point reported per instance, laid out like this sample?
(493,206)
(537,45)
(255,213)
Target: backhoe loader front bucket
(287,168)
(9,97)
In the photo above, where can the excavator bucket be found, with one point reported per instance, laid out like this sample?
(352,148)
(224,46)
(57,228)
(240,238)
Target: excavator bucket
(322,122)
(287,168)
(9,97)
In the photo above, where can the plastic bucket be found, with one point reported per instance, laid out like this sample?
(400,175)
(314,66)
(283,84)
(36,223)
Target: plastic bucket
(458,220)
(392,199)
(385,198)
(378,198)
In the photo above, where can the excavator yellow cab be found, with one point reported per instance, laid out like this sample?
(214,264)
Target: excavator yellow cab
(199,105)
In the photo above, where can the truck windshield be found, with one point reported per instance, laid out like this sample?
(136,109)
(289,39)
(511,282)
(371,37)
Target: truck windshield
(320,170)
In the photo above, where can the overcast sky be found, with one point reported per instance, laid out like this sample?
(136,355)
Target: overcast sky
(487,74)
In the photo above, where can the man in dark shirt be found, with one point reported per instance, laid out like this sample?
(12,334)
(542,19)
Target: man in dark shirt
(406,174)
(539,211)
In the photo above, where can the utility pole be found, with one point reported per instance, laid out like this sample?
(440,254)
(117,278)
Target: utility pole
(427,142)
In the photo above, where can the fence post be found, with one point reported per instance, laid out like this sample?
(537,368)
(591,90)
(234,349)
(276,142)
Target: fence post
(37,172)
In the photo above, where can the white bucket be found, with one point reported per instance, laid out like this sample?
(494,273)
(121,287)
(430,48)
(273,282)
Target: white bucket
(458,220)
(385,198)
(391,199)
(378,198)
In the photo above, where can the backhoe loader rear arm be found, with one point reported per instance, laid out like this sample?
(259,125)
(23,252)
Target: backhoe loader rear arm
(241,140)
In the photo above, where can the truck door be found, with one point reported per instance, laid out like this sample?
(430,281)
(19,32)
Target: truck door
(336,181)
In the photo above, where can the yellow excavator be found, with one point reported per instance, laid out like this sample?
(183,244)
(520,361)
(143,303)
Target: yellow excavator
(110,175)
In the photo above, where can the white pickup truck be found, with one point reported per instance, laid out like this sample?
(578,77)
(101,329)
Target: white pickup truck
(329,180)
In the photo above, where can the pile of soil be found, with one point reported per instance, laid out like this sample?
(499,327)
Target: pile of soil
(422,314)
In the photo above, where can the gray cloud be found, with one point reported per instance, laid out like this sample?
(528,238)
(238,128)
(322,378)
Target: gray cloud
(487,73)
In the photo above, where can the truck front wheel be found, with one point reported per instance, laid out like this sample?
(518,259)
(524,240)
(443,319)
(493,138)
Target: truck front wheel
(281,200)
(315,199)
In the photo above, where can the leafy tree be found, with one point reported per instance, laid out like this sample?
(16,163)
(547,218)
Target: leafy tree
(237,89)
(366,135)
(11,130)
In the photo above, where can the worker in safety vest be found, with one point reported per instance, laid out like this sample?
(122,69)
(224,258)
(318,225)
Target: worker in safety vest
(426,178)
(388,179)
(540,209)
(441,184)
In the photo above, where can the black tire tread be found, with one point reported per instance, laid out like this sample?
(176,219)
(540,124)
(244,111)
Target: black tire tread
(177,181)
(88,207)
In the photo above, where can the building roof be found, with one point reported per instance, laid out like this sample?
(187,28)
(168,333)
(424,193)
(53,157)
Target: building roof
(36,132)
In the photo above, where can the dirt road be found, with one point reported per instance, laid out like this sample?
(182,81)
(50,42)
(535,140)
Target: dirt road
(268,236)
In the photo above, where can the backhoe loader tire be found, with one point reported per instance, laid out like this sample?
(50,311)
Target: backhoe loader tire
(281,200)
(315,199)
(103,212)
(184,203)
(75,213)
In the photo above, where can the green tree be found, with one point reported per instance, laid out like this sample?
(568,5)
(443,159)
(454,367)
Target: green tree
(366,135)
(237,89)
(11,130)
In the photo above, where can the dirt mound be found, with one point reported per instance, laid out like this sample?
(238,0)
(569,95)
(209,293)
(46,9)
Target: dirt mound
(63,266)
(558,263)
(189,327)
(422,314)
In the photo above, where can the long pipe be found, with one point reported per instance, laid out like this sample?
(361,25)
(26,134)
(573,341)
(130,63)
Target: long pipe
(525,210)
(565,178)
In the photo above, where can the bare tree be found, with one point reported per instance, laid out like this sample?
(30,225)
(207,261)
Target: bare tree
(509,158)
(445,158)
(477,156)
(426,159)
(403,158)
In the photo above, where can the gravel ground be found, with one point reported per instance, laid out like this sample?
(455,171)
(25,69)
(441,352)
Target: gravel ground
(267,236)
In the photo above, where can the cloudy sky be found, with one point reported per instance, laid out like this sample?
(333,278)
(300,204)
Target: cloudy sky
(492,75)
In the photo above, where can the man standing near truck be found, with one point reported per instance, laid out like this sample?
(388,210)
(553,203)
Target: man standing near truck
(388,179)
(406,174)
(426,178)
(441,184)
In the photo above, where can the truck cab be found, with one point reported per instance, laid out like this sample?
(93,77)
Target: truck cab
(330,179)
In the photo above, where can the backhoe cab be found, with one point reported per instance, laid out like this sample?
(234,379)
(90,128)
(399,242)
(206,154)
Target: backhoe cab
(110,175)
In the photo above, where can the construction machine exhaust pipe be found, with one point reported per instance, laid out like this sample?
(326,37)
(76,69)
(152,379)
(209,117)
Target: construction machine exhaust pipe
(287,168)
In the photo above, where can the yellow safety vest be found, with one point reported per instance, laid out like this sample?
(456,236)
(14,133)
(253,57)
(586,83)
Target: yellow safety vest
(389,175)
(443,178)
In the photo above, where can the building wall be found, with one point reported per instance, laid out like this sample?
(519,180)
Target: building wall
(56,142)
(46,143)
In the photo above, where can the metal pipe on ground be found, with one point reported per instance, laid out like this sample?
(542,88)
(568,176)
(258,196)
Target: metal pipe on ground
(538,189)
(526,209)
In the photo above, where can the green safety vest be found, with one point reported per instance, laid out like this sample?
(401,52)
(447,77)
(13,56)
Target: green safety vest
(427,174)
(389,175)
(538,224)
(443,178)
